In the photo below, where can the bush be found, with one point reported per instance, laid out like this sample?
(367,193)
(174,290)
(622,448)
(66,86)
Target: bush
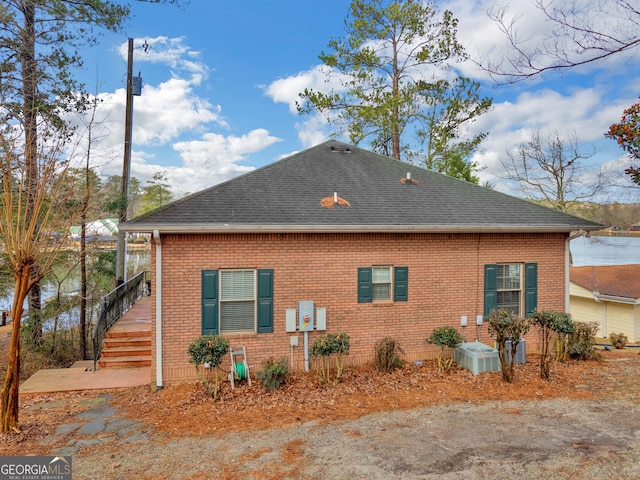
(274,373)
(445,337)
(387,353)
(581,341)
(505,326)
(324,347)
(564,326)
(553,325)
(618,340)
(207,351)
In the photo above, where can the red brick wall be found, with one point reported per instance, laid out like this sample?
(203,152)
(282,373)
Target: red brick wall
(446,281)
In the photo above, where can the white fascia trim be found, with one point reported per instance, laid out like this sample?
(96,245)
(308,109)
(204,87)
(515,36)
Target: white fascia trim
(226,228)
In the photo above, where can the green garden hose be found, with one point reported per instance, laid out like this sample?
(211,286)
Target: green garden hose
(241,372)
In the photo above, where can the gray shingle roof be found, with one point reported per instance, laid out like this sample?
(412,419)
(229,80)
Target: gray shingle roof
(286,196)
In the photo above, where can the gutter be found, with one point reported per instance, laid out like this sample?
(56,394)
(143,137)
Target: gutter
(603,297)
(251,228)
(158,289)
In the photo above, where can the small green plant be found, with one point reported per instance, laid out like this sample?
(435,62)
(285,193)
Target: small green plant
(507,326)
(206,352)
(445,337)
(618,340)
(387,353)
(581,341)
(274,373)
(325,346)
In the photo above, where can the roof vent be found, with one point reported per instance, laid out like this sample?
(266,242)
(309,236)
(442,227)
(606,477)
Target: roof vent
(408,180)
(340,149)
(334,202)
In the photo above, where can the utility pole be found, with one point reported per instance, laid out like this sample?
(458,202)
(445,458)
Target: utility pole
(121,271)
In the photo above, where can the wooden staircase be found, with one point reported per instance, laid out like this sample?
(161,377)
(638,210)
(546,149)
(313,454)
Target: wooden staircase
(128,342)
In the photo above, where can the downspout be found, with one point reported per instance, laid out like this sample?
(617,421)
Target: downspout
(567,274)
(158,289)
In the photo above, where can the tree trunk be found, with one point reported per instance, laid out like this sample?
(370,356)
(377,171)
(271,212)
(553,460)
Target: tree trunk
(30,112)
(83,275)
(10,388)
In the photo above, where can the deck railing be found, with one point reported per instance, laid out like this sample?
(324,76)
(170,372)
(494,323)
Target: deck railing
(114,304)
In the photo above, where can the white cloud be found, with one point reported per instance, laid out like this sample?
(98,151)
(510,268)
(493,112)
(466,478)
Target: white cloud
(214,158)
(164,112)
(173,52)
(287,90)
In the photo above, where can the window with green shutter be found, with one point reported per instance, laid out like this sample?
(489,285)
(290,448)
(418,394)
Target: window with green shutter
(236,301)
(512,286)
(380,283)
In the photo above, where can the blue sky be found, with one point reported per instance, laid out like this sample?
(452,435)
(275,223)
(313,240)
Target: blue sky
(221,79)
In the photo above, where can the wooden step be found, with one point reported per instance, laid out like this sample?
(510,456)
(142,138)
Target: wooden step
(125,362)
(118,342)
(126,352)
(128,333)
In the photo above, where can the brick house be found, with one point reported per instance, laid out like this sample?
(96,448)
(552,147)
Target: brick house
(382,248)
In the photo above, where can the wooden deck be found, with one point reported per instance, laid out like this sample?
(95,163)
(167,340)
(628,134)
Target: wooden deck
(126,363)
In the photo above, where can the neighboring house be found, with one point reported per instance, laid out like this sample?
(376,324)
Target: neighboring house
(608,295)
(382,248)
(105,227)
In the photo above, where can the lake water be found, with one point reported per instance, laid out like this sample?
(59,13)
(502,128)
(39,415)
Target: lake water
(605,250)
(137,261)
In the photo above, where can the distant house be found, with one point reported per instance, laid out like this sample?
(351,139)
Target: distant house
(381,248)
(104,227)
(608,295)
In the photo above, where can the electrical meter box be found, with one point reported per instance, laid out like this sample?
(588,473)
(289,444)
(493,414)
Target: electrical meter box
(305,316)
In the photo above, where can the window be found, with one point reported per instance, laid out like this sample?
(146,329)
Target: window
(512,286)
(508,292)
(235,301)
(381,283)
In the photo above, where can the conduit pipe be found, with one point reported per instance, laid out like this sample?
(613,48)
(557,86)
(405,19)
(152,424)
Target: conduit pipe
(158,289)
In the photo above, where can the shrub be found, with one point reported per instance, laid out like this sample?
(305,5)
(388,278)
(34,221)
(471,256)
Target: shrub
(581,341)
(550,323)
(505,326)
(387,353)
(207,351)
(274,373)
(618,340)
(324,347)
(565,326)
(445,337)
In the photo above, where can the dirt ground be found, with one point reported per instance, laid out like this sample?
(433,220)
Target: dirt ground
(413,423)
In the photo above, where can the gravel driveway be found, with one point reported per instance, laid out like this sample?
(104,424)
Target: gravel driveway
(559,439)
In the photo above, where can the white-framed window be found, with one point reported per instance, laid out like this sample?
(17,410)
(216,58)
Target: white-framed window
(237,301)
(381,283)
(509,287)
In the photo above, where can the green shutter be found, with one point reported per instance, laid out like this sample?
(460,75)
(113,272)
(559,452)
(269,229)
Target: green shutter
(400,284)
(530,287)
(265,301)
(365,284)
(490,288)
(209,302)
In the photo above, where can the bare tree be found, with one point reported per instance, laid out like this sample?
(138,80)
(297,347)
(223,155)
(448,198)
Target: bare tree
(550,170)
(32,233)
(582,32)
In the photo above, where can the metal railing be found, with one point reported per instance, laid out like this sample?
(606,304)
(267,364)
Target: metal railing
(114,304)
